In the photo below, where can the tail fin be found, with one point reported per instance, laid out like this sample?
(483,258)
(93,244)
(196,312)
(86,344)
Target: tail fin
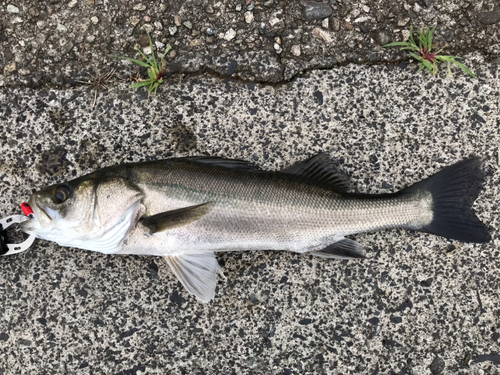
(454,190)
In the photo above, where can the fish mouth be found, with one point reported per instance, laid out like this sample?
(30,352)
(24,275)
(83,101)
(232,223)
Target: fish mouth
(41,213)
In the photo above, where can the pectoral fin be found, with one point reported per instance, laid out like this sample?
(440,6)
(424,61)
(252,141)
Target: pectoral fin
(176,218)
(344,249)
(197,273)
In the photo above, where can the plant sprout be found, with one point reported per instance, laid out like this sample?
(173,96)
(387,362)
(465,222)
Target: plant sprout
(155,67)
(427,59)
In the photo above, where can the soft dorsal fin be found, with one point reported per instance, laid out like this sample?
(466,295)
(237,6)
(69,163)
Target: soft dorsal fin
(221,162)
(197,273)
(319,168)
(176,218)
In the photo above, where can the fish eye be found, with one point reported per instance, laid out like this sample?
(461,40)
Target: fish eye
(61,193)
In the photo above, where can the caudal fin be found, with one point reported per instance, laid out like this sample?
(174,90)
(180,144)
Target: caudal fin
(454,190)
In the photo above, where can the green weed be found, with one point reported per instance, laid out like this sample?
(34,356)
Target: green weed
(155,67)
(423,52)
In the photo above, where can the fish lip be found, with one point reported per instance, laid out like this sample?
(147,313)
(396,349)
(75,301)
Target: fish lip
(37,209)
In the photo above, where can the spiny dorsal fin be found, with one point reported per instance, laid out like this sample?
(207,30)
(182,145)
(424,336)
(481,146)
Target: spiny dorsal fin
(221,162)
(176,218)
(319,168)
(197,273)
(343,249)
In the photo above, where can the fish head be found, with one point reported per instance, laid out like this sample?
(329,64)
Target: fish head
(92,212)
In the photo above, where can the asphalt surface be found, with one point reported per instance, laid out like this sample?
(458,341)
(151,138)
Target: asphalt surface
(420,304)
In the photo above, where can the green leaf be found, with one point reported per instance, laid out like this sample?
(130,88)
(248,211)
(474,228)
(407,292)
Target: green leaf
(152,49)
(421,40)
(429,38)
(412,41)
(464,68)
(140,84)
(145,57)
(155,86)
(151,75)
(428,65)
(166,51)
(138,62)
(395,44)
(415,56)
(414,48)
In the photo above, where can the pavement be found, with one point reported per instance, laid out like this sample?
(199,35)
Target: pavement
(420,304)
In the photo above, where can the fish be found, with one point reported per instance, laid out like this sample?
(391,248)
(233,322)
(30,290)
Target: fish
(187,209)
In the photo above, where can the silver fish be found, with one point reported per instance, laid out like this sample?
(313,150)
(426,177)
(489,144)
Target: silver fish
(188,208)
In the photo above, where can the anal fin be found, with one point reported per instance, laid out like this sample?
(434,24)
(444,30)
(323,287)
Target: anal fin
(343,249)
(197,273)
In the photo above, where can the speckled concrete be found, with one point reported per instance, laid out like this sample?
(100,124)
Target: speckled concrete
(418,305)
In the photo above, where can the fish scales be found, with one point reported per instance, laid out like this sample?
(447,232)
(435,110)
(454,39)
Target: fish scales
(186,209)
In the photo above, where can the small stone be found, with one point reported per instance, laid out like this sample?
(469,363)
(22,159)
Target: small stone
(334,24)
(348,26)
(9,69)
(163,7)
(188,24)
(139,7)
(238,7)
(403,22)
(406,35)
(325,23)
(417,8)
(195,43)
(366,9)
(172,30)
(295,50)
(251,6)
(72,3)
(147,19)
(159,45)
(269,3)
(209,9)
(344,10)
(17,20)
(94,20)
(313,10)
(135,21)
(464,21)
(380,37)
(90,2)
(437,366)
(351,43)
(177,21)
(323,35)
(277,47)
(41,24)
(274,21)
(230,35)
(147,50)
(158,25)
(12,9)
(489,18)
(61,28)
(24,72)
(209,31)
(248,17)
(90,38)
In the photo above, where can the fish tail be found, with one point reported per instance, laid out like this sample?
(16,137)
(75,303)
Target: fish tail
(453,192)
